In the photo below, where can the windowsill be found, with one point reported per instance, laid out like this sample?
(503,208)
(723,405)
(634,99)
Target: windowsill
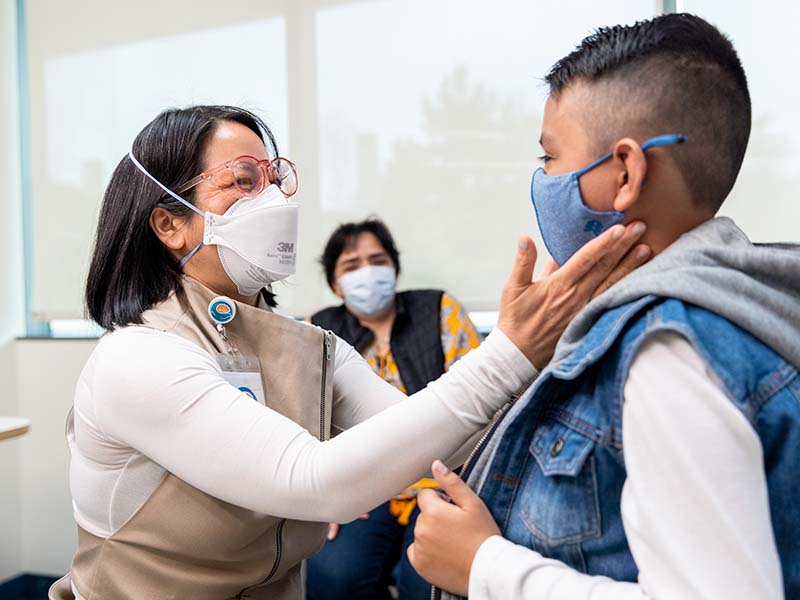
(81,329)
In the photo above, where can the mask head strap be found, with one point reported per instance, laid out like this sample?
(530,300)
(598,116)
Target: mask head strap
(139,166)
(163,187)
(659,140)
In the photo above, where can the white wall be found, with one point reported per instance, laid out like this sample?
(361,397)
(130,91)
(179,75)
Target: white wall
(10,289)
(37,377)
(38,530)
(47,528)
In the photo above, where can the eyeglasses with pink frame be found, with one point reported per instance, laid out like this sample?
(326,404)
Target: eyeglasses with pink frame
(279,171)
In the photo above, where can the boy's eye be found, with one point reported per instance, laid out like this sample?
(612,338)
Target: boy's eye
(545,158)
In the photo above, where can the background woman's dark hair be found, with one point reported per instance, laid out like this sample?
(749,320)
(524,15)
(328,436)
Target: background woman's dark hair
(131,270)
(345,236)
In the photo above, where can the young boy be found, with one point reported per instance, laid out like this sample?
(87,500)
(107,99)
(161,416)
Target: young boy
(658,454)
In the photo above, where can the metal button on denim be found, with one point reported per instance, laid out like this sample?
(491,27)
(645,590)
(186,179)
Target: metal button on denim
(557,447)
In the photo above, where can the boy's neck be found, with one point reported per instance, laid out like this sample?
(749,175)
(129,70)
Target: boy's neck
(660,238)
(668,214)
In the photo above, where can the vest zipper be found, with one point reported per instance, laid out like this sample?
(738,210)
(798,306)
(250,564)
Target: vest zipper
(279,550)
(436,593)
(326,358)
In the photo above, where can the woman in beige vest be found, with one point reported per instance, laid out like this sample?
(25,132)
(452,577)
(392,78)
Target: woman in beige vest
(203,465)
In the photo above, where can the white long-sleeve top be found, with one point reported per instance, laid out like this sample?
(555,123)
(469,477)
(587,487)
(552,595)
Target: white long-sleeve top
(694,505)
(148,402)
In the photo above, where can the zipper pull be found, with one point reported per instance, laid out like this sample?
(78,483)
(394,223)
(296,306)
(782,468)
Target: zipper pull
(328,339)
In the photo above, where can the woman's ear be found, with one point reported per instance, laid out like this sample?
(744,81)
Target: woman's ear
(632,175)
(169,228)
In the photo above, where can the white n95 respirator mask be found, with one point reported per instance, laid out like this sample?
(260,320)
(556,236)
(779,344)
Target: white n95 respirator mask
(256,237)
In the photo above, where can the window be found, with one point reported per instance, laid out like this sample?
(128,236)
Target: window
(423,112)
(93,86)
(764,200)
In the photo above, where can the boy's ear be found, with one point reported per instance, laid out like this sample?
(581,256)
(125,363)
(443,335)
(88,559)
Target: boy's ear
(632,175)
(169,228)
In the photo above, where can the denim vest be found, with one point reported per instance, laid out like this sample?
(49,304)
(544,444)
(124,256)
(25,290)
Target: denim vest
(553,474)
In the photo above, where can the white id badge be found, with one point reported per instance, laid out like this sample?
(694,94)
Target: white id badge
(243,373)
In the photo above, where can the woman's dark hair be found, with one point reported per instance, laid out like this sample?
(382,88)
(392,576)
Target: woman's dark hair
(131,270)
(346,235)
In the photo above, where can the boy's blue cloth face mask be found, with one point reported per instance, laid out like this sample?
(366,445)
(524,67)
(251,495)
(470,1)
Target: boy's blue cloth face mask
(565,222)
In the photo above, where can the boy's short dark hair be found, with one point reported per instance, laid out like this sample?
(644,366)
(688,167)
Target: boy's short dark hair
(346,235)
(675,73)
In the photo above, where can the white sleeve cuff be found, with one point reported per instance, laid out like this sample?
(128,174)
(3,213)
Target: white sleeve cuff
(484,565)
(512,357)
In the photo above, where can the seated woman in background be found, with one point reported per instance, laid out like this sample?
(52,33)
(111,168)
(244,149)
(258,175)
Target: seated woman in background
(409,339)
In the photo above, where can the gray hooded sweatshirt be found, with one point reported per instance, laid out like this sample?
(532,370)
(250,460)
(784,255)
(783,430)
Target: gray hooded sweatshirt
(715,266)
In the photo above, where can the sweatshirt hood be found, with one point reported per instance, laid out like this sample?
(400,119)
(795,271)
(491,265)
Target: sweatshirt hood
(715,266)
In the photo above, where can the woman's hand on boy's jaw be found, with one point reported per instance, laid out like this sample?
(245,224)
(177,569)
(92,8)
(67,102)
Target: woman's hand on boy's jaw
(447,534)
(534,314)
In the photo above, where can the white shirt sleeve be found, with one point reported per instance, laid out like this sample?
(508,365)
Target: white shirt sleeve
(166,398)
(357,393)
(694,506)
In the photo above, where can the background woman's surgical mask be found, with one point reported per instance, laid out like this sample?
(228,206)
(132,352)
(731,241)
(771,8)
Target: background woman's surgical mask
(256,238)
(369,290)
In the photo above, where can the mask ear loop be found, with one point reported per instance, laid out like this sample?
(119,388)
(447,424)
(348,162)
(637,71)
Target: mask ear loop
(659,140)
(186,258)
(139,166)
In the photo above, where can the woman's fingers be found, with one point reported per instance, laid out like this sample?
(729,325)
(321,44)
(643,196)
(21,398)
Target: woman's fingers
(534,314)
(633,260)
(515,309)
(550,267)
(609,260)
(524,262)
(596,259)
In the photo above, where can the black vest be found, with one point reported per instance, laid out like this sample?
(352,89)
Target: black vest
(416,339)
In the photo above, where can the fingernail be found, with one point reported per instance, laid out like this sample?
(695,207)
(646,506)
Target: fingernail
(439,468)
(642,252)
(639,228)
(522,244)
(617,231)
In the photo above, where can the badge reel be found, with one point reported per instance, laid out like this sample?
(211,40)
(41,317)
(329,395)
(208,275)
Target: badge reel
(241,371)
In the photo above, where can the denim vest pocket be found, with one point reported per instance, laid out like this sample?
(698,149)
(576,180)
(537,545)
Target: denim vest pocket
(560,503)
